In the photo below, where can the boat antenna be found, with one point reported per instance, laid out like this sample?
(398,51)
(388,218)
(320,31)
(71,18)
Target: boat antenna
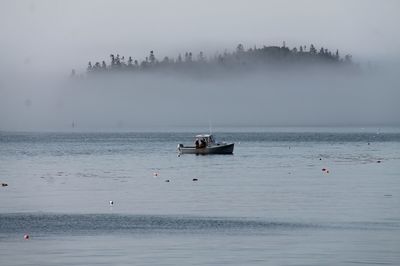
(209,126)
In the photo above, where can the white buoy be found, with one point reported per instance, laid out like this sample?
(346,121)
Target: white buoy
(111,203)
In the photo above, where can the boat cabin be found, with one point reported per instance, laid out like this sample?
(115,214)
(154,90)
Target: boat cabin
(204,140)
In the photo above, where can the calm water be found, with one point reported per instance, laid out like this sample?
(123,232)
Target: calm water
(268,204)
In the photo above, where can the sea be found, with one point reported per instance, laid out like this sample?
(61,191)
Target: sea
(287,196)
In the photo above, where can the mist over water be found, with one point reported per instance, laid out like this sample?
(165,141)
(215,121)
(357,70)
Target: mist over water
(89,170)
(266,98)
(46,39)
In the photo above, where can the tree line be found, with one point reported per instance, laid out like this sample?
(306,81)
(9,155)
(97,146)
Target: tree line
(240,58)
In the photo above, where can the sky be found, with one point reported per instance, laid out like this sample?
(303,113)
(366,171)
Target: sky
(56,35)
(46,39)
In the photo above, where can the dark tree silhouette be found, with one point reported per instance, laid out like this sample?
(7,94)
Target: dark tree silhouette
(152,58)
(313,51)
(89,67)
(240,58)
(130,62)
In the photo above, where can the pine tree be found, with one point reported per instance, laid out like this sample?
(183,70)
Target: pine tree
(152,58)
(89,67)
(239,48)
(313,51)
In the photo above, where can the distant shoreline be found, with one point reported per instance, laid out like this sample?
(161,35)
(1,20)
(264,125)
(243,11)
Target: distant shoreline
(233,129)
(242,59)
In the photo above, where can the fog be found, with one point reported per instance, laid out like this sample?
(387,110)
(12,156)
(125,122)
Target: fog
(43,40)
(127,102)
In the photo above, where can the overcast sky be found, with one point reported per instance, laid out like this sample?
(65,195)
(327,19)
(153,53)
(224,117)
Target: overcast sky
(49,38)
(59,35)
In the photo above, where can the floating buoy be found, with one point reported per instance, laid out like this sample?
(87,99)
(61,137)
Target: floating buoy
(195,179)
(167,180)
(26,236)
(111,203)
(323,169)
(155,174)
(320,159)
(327,171)
(379,161)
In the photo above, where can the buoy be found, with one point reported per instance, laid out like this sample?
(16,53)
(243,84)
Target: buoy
(195,179)
(167,180)
(26,236)
(323,169)
(111,203)
(327,171)
(155,174)
(379,161)
(320,159)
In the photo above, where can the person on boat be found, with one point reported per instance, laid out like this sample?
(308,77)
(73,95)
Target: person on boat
(203,143)
(197,143)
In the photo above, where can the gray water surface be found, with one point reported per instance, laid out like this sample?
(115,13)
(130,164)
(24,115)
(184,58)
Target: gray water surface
(268,204)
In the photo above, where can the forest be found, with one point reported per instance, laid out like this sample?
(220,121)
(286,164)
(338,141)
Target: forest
(271,57)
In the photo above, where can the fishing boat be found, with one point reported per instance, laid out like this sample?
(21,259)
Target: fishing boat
(206,144)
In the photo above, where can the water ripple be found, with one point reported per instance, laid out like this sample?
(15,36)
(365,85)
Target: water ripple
(106,223)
